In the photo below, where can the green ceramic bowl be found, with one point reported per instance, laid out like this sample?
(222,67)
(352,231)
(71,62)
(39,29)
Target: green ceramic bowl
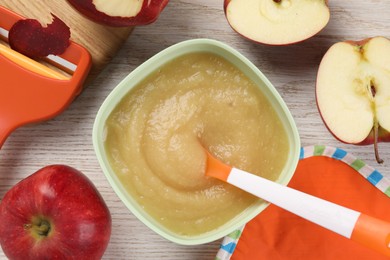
(150,66)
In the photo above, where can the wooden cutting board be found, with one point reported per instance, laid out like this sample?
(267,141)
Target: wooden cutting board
(101,41)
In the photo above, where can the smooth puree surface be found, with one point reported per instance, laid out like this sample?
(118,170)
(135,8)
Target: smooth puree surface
(155,136)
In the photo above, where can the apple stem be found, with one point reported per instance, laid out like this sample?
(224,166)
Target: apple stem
(372,91)
(376,128)
(277,1)
(41,228)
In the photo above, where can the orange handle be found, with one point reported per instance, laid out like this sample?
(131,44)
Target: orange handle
(373,233)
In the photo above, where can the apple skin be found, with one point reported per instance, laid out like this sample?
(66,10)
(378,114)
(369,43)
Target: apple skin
(383,136)
(377,134)
(148,14)
(372,139)
(64,198)
(225,6)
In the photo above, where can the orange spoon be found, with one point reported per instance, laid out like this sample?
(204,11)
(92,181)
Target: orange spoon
(366,230)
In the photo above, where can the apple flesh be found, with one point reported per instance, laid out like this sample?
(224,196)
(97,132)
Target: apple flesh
(120,12)
(55,213)
(277,22)
(353,91)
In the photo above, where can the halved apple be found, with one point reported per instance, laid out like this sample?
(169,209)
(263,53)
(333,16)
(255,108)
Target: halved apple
(353,91)
(277,22)
(120,12)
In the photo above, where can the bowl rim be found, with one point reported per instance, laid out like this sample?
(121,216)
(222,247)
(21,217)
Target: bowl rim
(140,73)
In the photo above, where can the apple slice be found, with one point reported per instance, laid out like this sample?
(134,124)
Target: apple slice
(120,12)
(353,91)
(277,22)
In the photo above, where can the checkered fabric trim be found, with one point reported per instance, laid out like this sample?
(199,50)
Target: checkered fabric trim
(380,181)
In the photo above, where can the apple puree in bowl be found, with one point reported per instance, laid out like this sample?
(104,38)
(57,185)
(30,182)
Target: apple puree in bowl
(155,137)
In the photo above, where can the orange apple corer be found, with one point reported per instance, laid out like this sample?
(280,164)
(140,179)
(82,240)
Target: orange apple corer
(353,91)
(120,12)
(31,39)
(277,22)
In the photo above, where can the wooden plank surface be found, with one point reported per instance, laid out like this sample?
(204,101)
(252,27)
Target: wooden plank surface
(101,41)
(292,69)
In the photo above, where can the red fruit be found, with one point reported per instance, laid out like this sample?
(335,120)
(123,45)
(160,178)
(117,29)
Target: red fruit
(120,12)
(55,213)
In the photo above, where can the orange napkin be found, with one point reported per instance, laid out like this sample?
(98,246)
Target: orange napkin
(277,234)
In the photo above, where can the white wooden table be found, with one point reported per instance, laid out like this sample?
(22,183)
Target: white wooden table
(292,69)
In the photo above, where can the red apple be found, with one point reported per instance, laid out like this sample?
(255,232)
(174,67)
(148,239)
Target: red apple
(120,12)
(353,91)
(55,213)
(277,22)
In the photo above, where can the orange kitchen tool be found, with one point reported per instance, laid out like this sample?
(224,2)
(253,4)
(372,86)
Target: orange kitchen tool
(30,91)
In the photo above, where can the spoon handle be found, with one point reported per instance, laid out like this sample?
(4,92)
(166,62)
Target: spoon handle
(369,231)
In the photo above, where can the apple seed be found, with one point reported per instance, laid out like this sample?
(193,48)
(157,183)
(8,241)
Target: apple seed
(372,89)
